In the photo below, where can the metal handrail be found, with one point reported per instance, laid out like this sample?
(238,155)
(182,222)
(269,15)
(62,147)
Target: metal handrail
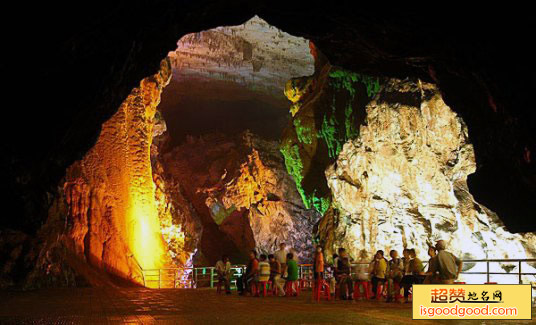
(519,272)
(194,271)
(503,260)
(488,273)
(306,269)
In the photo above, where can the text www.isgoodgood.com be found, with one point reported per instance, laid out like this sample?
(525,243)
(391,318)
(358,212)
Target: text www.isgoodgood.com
(467,311)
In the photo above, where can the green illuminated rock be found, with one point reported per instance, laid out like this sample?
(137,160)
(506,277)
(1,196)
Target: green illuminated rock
(327,110)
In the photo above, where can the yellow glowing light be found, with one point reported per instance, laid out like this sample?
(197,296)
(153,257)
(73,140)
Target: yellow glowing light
(145,236)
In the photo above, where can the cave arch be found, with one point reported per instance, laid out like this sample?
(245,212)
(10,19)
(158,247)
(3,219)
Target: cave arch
(480,88)
(104,58)
(224,112)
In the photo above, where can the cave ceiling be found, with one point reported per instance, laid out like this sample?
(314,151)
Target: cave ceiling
(229,79)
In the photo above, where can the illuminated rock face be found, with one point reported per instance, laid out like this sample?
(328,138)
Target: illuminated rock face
(198,168)
(179,222)
(225,81)
(107,214)
(239,190)
(327,109)
(235,74)
(397,158)
(266,190)
(402,183)
(255,55)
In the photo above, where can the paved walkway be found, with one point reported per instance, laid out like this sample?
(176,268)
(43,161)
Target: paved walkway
(203,306)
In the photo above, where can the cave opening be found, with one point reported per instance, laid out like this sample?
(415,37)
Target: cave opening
(220,121)
(247,137)
(271,143)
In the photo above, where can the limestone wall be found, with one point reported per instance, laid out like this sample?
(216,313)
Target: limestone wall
(402,183)
(107,216)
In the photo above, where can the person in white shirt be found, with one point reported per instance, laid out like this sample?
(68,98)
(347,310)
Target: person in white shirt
(223,269)
(281,257)
(264,269)
(361,269)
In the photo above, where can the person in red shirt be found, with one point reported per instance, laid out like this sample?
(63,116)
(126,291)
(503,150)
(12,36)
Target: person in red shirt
(244,282)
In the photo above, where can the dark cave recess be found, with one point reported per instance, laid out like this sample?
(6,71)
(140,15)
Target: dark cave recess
(194,108)
(70,69)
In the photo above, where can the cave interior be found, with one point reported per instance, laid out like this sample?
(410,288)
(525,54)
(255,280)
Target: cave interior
(227,86)
(363,131)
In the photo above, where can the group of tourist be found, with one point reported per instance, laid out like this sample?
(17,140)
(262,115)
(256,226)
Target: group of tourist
(443,268)
(280,267)
(397,272)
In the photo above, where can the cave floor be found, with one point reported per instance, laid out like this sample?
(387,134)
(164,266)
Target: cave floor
(202,306)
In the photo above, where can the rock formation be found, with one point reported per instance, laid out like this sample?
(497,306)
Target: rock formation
(179,223)
(388,178)
(393,159)
(402,182)
(124,208)
(232,182)
(276,211)
(234,74)
(84,72)
(326,110)
(256,55)
(105,216)
(239,189)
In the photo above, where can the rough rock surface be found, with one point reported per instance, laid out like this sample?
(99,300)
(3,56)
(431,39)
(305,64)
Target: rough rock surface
(482,64)
(255,54)
(326,110)
(268,192)
(179,222)
(195,166)
(118,210)
(242,194)
(480,68)
(234,74)
(105,216)
(402,183)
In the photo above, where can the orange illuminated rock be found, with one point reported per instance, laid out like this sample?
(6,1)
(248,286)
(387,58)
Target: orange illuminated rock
(242,195)
(179,223)
(268,192)
(108,208)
